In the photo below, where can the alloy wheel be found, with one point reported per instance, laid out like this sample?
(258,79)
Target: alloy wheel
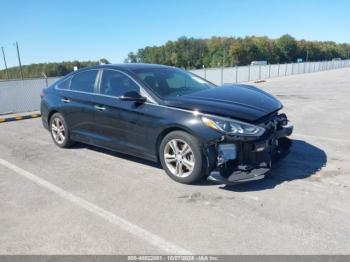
(58,130)
(179,158)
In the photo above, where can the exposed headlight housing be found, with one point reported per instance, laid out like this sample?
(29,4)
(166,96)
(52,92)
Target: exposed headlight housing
(232,127)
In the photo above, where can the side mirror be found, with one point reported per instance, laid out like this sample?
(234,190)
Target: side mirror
(133,96)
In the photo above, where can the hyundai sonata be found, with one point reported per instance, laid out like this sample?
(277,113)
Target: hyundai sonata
(194,128)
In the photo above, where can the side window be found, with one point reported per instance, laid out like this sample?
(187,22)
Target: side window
(114,83)
(64,84)
(150,80)
(84,81)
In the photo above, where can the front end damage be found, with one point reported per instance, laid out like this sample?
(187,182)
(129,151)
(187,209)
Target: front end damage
(237,159)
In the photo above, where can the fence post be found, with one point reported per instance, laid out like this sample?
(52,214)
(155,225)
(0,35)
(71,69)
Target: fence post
(205,73)
(259,72)
(236,74)
(269,70)
(46,81)
(222,75)
(285,71)
(248,73)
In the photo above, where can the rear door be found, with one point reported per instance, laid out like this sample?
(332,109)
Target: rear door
(77,105)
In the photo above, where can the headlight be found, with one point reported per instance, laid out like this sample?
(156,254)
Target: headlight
(232,127)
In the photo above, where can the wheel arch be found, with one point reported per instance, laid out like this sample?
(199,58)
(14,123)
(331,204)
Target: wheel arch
(50,114)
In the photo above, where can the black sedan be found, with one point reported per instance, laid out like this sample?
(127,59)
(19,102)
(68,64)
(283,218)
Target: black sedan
(195,129)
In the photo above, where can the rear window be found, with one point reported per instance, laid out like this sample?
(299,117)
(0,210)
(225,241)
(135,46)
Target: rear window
(84,81)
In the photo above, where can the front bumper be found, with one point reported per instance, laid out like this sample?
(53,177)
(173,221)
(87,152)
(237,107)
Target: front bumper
(244,161)
(247,176)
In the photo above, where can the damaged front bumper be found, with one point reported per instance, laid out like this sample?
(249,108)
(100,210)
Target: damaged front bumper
(236,160)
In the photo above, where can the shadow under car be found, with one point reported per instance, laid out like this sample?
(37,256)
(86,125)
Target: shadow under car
(303,161)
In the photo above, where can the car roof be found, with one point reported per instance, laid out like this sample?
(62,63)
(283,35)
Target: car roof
(126,66)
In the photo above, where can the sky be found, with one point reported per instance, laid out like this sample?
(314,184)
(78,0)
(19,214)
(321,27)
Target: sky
(65,30)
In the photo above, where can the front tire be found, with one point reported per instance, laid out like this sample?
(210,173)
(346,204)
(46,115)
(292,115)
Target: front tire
(59,131)
(182,158)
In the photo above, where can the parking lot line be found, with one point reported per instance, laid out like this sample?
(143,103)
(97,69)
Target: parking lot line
(137,231)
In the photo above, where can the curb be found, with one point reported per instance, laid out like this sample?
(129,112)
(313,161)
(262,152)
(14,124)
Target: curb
(18,117)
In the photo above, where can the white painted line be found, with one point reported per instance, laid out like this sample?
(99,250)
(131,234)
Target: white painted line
(323,138)
(92,208)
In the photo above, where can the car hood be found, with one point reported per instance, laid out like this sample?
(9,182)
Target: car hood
(243,102)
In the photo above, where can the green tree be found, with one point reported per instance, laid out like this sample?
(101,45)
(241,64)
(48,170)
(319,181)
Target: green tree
(50,69)
(104,61)
(287,48)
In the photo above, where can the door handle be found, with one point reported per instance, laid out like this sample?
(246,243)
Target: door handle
(65,100)
(100,108)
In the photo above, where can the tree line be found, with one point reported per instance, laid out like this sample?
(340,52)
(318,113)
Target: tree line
(192,53)
(49,69)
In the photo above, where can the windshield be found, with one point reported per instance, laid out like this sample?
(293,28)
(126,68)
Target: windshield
(170,82)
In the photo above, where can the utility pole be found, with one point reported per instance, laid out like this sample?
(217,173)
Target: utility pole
(307,55)
(3,55)
(19,61)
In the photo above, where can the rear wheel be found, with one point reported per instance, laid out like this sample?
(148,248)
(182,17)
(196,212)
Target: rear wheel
(59,131)
(181,157)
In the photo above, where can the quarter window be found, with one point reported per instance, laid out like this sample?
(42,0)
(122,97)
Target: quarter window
(64,84)
(84,81)
(114,83)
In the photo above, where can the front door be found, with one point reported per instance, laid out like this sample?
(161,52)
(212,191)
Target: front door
(122,125)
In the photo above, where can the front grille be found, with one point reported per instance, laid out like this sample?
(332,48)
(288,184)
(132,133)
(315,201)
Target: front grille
(248,156)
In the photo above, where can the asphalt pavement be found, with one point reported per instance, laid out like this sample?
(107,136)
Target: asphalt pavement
(86,200)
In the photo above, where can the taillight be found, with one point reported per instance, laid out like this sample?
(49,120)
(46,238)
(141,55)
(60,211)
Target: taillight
(42,93)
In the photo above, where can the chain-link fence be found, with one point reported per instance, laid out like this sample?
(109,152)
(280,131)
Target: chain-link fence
(24,95)
(241,74)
